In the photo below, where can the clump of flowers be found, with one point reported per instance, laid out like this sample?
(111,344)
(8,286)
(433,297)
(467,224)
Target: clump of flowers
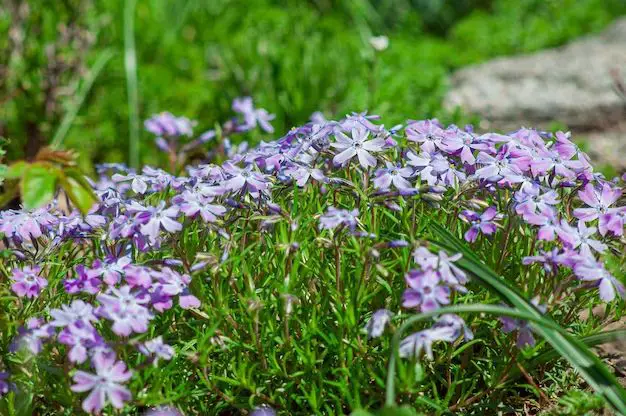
(175,269)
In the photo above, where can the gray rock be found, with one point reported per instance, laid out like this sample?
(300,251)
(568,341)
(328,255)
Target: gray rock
(571,84)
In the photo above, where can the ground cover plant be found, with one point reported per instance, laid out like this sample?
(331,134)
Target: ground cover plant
(341,267)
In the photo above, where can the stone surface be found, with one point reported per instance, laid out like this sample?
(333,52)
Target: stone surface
(573,84)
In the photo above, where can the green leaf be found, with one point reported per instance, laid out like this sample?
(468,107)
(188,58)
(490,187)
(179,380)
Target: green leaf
(16,170)
(37,186)
(590,341)
(79,192)
(361,412)
(590,367)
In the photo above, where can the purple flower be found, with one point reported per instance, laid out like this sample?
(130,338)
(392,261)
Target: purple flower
(110,270)
(69,314)
(28,282)
(105,385)
(153,219)
(580,238)
(4,383)
(377,323)
(445,169)
(263,411)
(80,336)
(591,270)
(193,204)
(302,174)
(524,333)
(334,217)
(32,337)
(463,144)
(126,309)
(448,328)
(567,149)
(171,283)
(392,175)
(253,116)
(163,411)
(547,222)
(167,125)
(550,260)
(425,291)
(428,133)
(599,203)
(498,168)
(83,283)
(357,145)
(548,161)
(480,223)
(155,348)
(25,226)
(530,200)
(424,165)
(246,178)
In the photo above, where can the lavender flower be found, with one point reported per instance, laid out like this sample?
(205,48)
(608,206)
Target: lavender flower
(156,349)
(110,270)
(153,219)
(524,333)
(167,125)
(357,145)
(82,283)
(80,336)
(69,314)
(392,175)
(245,179)
(428,133)
(530,200)
(334,217)
(105,385)
(253,116)
(126,309)
(377,323)
(498,168)
(4,383)
(28,282)
(171,283)
(580,238)
(591,270)
(263,411)
(480,223)
(425,292)
(193,205)
(599,203)
(449,328)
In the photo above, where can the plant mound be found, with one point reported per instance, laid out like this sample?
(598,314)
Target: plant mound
(274,276)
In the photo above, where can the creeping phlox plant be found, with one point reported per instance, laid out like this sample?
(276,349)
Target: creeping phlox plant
(267,277)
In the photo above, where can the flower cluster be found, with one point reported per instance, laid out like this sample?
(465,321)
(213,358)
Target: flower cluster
(526,181)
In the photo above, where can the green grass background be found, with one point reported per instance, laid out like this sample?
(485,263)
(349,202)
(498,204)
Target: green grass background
(293,57)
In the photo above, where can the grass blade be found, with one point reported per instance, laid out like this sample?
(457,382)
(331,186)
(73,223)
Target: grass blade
(589,341)
(83,90)
(589,366)
(132,95)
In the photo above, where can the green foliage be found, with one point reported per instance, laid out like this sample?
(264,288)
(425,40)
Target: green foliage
(293,57)
(575,403)
(37,183)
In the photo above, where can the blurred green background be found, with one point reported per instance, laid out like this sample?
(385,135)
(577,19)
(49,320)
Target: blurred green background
(293,57)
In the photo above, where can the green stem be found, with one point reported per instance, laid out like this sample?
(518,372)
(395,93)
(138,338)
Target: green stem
(130,66)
